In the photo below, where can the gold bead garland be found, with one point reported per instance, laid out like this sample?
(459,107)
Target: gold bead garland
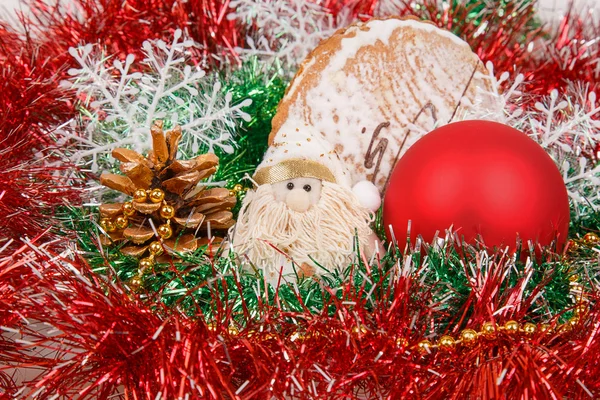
(468,337)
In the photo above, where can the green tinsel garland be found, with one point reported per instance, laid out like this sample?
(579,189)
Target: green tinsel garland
(197,280)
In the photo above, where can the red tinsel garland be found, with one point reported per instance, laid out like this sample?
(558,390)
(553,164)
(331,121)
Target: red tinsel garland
(32,106)
(106,340)
(121,28)
(569,55)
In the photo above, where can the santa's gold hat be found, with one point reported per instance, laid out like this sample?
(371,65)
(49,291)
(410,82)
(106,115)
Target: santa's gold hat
(299,151)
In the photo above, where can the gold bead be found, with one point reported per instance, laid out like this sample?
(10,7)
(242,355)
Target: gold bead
(511,327)
(135,283)
(565,328)
(128,209)
(546,328)
(591,239)
(110,226)
(314,335)
(146,263)
(488,329)
(268,336)
(581,308)
(356,330)
(401,342)
(167,211)
(468,337)
(569,325)
(107,225)
(529,329)
(573,278)
(446,342)
(155,248)
(576,287)
(297,336)
(238,188)
(104,223)
(157,195)
(573,246)
(165,231)
(140,196)
(424,346)
(233,330)
(121,222)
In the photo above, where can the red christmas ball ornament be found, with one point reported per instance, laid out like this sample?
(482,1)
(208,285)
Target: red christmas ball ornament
(486,180)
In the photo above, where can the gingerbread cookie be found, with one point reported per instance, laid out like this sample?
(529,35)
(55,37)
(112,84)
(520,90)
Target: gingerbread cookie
(374,88)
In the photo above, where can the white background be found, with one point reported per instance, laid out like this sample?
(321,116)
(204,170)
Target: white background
(549,9)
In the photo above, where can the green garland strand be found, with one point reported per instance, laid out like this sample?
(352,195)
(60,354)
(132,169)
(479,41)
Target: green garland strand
(196,280)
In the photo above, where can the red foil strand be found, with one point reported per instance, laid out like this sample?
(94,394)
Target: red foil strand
(103,340)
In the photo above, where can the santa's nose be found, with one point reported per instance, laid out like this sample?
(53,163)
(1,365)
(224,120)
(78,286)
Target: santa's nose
(298,200)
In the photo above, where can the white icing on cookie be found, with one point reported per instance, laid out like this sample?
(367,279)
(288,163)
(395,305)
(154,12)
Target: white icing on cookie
(373,89)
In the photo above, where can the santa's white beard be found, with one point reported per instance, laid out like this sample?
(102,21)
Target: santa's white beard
(268,233)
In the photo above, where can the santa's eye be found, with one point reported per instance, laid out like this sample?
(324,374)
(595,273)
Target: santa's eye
(290,185)
(307,188)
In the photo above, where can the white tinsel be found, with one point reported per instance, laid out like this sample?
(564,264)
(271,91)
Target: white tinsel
(285,31)
(123,103)
(567,127)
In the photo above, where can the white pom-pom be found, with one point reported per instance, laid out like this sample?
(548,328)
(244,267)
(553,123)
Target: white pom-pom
(367,194)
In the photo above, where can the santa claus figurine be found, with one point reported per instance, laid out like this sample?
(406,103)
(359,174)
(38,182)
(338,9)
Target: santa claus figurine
(304,219)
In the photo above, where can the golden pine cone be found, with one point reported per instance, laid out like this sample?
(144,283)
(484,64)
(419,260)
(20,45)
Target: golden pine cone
(158,181)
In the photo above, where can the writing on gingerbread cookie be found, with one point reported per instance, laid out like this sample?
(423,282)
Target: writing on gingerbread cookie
(378,151)
(378,145)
